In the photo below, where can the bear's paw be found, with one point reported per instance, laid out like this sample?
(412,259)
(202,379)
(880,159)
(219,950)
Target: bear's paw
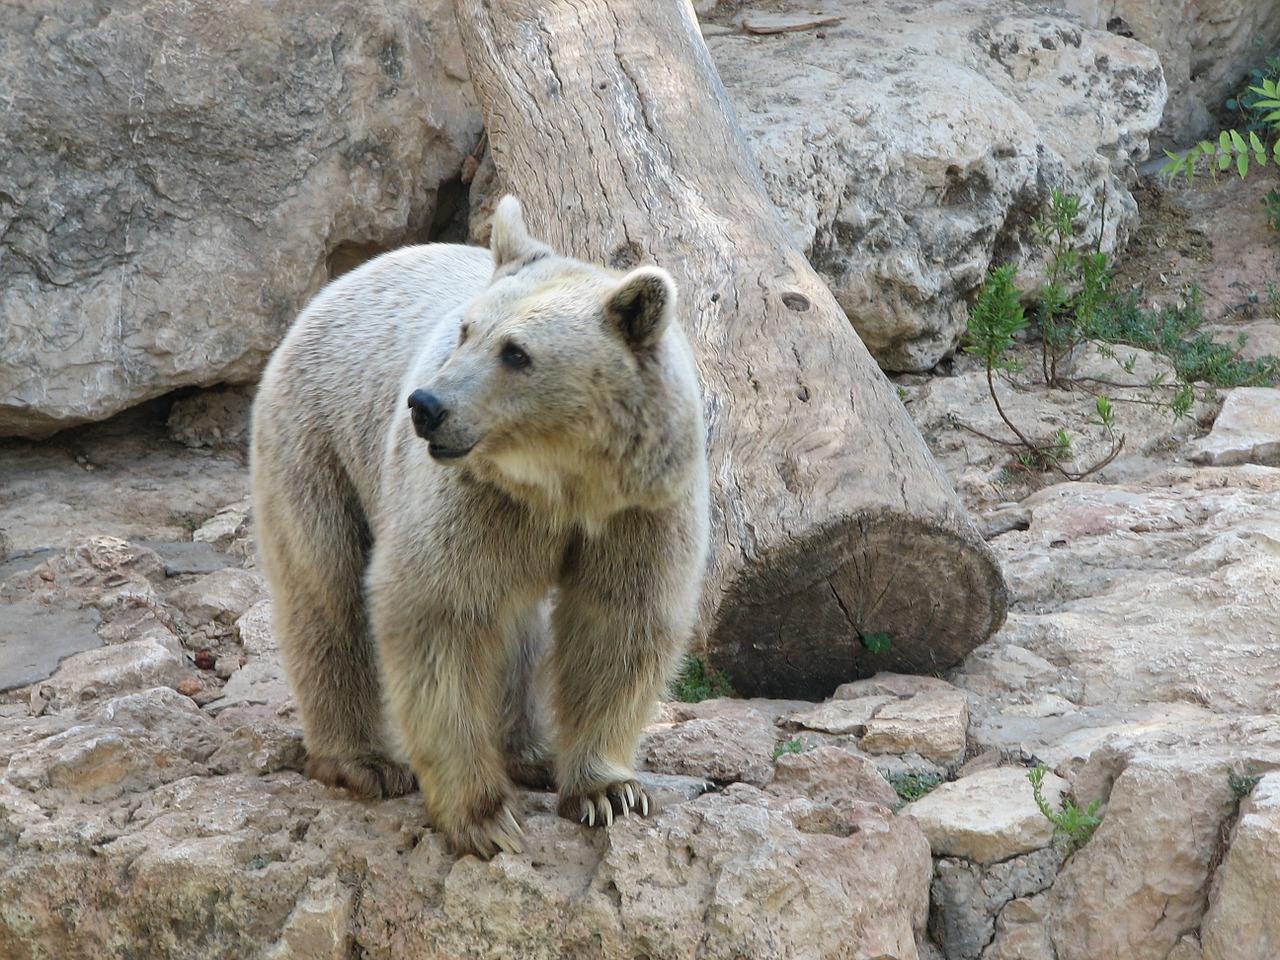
(618,799)
(370,778)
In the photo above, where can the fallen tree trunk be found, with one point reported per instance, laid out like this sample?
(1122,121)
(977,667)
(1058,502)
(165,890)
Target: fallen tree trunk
(833,528)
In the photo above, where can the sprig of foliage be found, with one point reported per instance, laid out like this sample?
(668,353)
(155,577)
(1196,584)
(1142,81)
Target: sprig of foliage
(1072,826)
(696,682)
(877,642)
(794,745)
(912,786)
(1242,782)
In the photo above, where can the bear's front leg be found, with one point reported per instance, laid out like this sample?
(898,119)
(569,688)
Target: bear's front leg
(444,674)
(626,608)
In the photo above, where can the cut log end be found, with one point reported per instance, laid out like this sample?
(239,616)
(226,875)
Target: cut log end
(868,595)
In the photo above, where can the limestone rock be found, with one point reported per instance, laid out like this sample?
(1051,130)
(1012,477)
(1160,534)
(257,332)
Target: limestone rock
(1242,923)
(1134,594)
(1140,883)
(1246,431)
(211,417)
(223,595)
(841,716)
(228,529)
(829,774)
(907,148)
(884,684)
(133,665)
(173,197)
(933,724)
(967,898)
(1205,52)
(726,749)
(988,816)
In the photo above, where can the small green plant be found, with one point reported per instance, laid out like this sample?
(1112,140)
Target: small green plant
(189,521)
(1175,333)
(878,642)
(1255,137)
(1063,316)
(1242,781)
(1072,826)
(696,682)
(794,745)
(912,786)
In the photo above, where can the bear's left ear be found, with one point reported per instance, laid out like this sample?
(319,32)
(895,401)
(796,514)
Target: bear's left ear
(642,304)
(510,241)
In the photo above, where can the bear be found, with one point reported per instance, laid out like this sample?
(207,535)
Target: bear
(481,498)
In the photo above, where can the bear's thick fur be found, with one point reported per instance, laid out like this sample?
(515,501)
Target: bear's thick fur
(464,460)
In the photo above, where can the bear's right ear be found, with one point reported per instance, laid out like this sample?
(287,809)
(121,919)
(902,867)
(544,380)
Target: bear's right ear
(510,242)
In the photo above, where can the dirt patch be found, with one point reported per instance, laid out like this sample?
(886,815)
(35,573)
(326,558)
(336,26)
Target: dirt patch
(1213,234)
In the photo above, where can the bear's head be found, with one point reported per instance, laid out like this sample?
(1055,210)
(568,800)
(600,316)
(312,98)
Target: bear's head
(562,373)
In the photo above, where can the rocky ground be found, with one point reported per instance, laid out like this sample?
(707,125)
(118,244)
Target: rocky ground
(151,804)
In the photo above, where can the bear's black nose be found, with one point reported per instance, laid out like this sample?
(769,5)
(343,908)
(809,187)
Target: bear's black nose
(427,412)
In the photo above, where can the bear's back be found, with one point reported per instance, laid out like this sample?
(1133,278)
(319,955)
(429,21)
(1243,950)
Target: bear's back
(335,379)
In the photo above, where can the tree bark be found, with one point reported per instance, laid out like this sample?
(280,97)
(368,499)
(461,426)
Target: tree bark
(831,521)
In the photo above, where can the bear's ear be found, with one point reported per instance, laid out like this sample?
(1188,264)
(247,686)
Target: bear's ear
(642,304)
(510,242)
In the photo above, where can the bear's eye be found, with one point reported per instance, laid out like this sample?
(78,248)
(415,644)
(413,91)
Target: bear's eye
(462,333)
(513,357)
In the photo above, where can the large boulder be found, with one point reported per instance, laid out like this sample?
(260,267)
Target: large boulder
(909,146)
(177,177)
(1205,48)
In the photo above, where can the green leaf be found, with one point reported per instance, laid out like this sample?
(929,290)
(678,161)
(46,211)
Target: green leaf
(1254,143)
(1242,164)
(878,642)
(1224,141)
(1237,141)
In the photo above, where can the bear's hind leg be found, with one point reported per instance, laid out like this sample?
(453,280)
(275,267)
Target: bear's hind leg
(314,542)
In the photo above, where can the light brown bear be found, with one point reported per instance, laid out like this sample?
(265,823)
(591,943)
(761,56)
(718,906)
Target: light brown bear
(463,460)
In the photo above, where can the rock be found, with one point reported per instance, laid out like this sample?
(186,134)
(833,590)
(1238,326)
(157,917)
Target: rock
(1242,923)
(259,682)
(841,716)
(830,775)
(320,925)
(1204,53)
(889,685)
(229,525)
(253,629)
(726,749)
(983,468)
(1140,883)
(134,665)
(1246,431)
(1020,932)
(966,898)
(249,863)
(904,218)
(142,741)
(222,596)
(98,572)
(185,559)
(262,747)
(211,417)
(177,198)
(988,816)
(932,724)
(38,637)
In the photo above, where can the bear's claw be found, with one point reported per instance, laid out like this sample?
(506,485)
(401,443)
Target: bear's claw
(489,837)
(618,799)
